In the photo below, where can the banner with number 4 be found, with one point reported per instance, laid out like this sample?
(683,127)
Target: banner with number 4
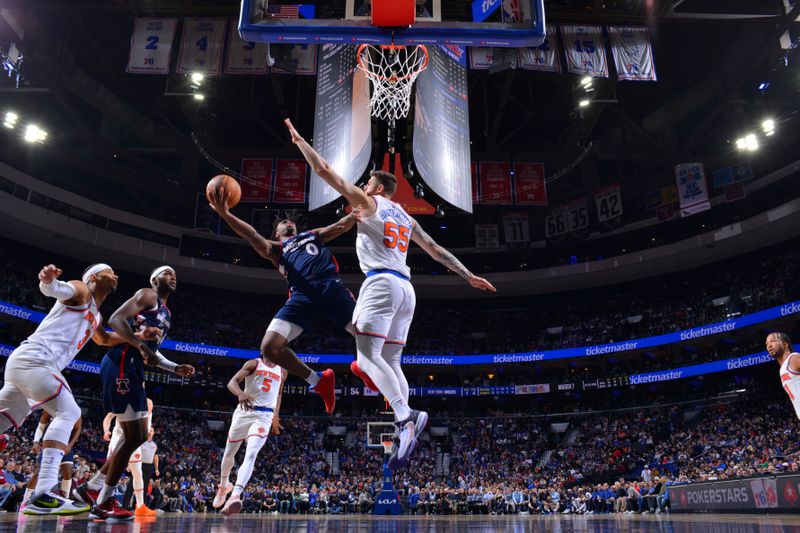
(151,46)
(201,46)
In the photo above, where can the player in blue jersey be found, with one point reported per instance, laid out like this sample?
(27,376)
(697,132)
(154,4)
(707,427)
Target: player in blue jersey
(122,374)
(314,289)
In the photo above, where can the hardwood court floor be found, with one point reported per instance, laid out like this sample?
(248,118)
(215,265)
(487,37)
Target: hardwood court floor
(214,523)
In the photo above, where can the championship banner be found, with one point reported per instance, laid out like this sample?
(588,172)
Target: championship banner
(734,191)
(585,50)
(290,181)
(257,182)
(244,57)
(480,57)
(473,168)
(516,227)
(302,61)
(543,57)
(577,215)
(692,188)
(608,202)
(529,184)
(201,46)
(151,46)
(633,53)
(495,178)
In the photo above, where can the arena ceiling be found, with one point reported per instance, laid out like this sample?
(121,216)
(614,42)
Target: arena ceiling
(125,139)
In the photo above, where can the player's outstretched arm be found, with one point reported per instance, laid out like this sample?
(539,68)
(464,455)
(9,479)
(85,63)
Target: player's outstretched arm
(276,420)
(69,293)
(219,203)
(354,195)
(233,385)
(444,257)
(337,229)
(120,322)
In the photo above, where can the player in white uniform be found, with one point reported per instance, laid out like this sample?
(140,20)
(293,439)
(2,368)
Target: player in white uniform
(386,300)
(253,420)
(135,462)
(33,376)
(779,346)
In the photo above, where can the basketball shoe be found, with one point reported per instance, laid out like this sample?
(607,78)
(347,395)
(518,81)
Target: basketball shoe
(327,389)
(356,370)
(222,495)
(410,429)
(51,503)
(233,506)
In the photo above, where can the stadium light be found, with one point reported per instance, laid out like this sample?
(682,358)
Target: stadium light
(198,77)
(583,103)
(199,97)
(586,81)
(11,120)
(768,126)
(35,134)
(748,143)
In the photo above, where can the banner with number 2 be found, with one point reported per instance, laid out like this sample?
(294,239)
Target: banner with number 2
(201,46)
(151,46)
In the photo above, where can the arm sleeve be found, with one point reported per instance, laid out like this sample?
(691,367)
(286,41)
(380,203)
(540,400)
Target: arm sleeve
(60,290)
(164,363)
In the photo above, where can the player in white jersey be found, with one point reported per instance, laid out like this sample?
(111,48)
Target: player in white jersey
(386,300)
(33,376)
(253,420)
(779,346)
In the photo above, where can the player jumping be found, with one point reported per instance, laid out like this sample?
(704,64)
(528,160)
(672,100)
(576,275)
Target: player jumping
(386,301)
(253,420)
(314,289)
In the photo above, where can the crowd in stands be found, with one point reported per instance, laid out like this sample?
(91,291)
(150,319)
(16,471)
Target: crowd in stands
(619,462)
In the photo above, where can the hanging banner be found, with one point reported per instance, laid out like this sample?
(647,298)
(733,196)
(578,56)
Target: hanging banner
(555,223)
(473,169)
(633,53)
(734,191)
(495,183)
(608,202)
(512,11)
(151,46)
(692,188)
(244,57)
(529,184)
(257,182)
(585,50)
(201,46)
(290,181)
(487,236)
(543,57)
(481,9)
(577,215)
(301,60)
(516,227)
(480,57)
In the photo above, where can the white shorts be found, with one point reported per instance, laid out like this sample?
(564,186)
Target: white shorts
(385,308)
(246,424)
(284,328)
(30,385)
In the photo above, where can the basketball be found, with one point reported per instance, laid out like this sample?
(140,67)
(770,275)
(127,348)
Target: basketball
(230,185)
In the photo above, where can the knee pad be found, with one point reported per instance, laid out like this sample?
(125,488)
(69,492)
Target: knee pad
(64,420)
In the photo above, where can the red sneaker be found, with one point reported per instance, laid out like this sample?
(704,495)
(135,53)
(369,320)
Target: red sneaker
(110,510)
(355,369)
(327,389)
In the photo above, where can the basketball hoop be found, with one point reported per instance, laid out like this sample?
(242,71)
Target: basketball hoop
(387,446)
(391,70)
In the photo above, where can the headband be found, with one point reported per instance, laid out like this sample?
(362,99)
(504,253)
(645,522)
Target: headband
(160,270)
(94,269)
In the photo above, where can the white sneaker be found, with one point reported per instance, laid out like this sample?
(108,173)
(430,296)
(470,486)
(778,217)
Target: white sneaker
(50,503)
(221,495)
(233,506)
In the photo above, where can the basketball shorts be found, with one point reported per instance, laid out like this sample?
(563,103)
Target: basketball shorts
(249,423)
(123,385)
(30,385)
(328,298)
(385,308)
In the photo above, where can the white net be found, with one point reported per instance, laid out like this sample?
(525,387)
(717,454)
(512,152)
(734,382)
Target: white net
(391,71)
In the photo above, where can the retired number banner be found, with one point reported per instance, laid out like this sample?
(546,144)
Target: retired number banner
(585,50)
(608,202)
(303,59)
(244,57)
(257,180)
(529,184)
(495,183)
(545,56)
(151,46)
(633,53)
(290,181)
(201,46)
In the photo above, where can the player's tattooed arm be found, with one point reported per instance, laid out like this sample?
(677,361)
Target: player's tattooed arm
(219,203)
(441,255)
(337,229)
(355,195)
(120,322)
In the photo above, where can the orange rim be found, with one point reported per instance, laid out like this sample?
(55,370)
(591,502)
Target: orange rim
(364,67)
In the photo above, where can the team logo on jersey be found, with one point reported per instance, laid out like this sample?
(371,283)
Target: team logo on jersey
(123,386)
(312,249)
(261,430)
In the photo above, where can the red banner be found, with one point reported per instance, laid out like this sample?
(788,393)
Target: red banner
(529,185)
(473,168)
(290,181)
(257,180)
(495,183)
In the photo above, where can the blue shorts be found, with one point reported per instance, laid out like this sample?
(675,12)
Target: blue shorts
(327,297)
(122,374)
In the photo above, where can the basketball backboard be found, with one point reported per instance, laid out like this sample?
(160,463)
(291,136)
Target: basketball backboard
(377,433)
(490,23)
